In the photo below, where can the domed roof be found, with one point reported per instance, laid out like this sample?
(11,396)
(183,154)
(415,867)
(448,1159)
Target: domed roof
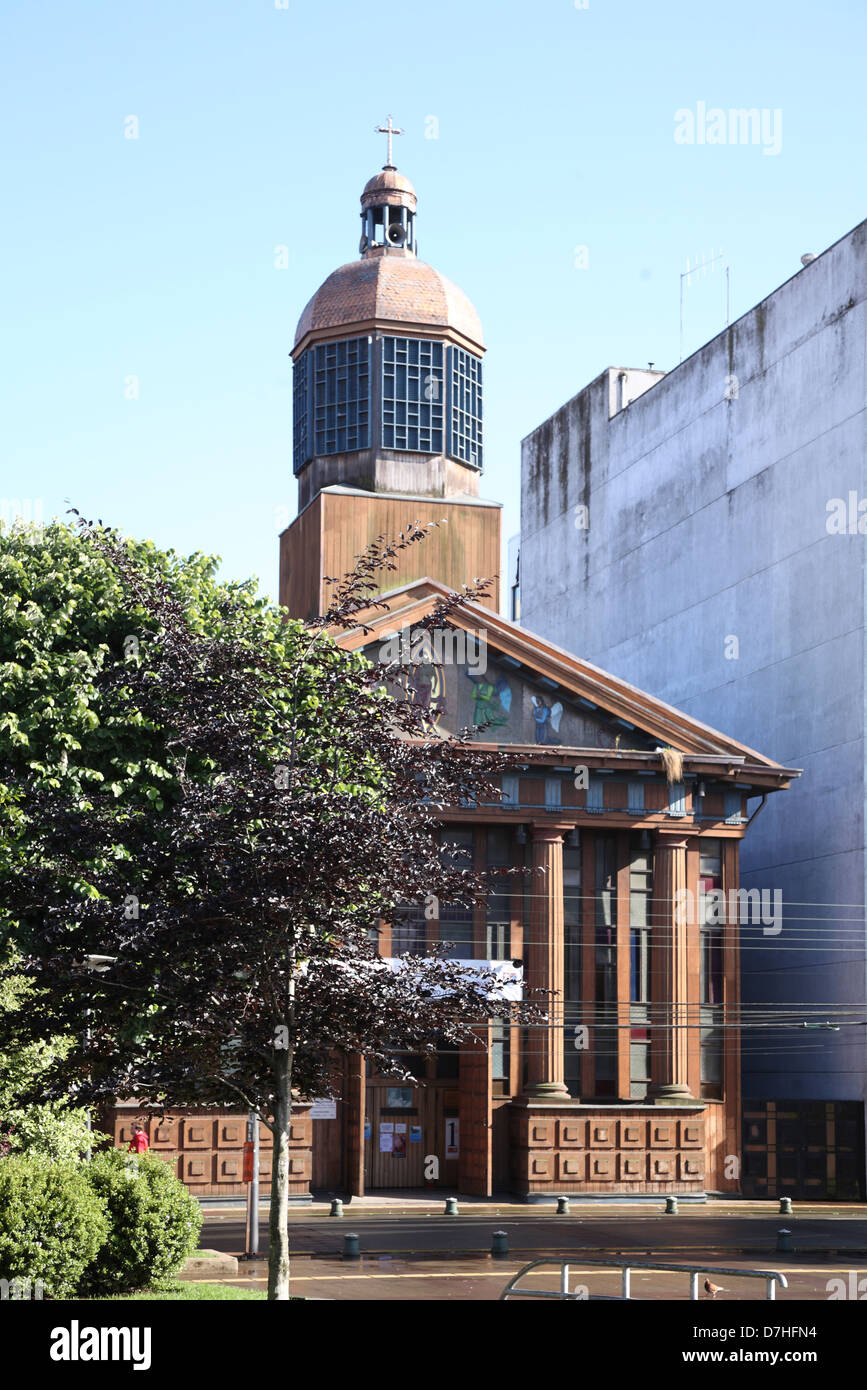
(389,181)
(393,288)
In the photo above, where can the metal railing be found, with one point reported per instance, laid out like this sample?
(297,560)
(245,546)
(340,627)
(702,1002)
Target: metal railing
(772,1277)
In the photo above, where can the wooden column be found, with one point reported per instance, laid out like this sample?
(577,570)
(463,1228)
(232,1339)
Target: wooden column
(588,957)
(354,1086)
(624,1030)
(545,957)
(474,1111)
(671,921)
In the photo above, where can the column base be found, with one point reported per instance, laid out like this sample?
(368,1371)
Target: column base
(672,1095)
(547,1090)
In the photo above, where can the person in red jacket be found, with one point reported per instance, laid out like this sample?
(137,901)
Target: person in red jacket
(139,1143)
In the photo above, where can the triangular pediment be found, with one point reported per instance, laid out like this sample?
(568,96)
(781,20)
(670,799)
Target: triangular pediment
(529,692)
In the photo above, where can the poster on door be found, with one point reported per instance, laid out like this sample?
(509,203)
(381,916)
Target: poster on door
(452,1138)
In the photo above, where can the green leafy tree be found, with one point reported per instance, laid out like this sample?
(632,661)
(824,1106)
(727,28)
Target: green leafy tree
(54,1129)
(65,620)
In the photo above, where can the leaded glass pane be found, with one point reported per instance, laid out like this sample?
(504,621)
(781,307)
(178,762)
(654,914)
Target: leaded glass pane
(465,441)
(301,451)
(341,396)
(412,395)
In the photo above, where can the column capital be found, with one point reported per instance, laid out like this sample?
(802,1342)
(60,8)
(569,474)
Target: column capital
(549,830)
(672,837)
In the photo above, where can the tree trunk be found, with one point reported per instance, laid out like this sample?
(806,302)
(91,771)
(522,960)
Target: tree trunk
(278,1218)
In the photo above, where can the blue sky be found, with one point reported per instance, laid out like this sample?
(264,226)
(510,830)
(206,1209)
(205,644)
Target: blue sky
(154,257)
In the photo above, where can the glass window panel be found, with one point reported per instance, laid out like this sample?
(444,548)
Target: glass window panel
(331,399)
(465,406)
(413,389)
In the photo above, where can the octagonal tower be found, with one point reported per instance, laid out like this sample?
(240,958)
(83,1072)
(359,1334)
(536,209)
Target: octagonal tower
(387,408)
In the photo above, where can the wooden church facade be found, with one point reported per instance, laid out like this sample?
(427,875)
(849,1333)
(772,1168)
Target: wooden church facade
(630,925)
(630,812)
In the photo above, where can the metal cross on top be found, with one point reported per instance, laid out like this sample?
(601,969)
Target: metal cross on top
(388,130)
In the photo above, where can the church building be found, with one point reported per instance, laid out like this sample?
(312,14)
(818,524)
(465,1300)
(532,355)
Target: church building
(634,811)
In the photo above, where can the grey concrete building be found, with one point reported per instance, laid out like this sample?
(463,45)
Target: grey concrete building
(701,533)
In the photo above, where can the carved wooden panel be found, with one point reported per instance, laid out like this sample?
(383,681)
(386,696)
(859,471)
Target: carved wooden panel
(691,1134)
(572,1134)
(541,1132)
(662,1134)
(662,1167)
(571,1166)
(691,1167)
(631,1167)
(197,1133)
(632,1134)
(601,1135)
(603,1167)
(231,1133)
(164,1135)
(541,1166)
(197,1169)
(230,1168)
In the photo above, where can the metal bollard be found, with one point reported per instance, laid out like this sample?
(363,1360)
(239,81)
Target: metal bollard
(351,1249)
(671,1206)
(500,1244)
(451,1206)
(336,1207)
(563,1206)
(784,1240)
(785,1206)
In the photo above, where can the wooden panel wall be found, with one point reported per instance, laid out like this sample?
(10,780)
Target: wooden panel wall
(300,564)
(326,538)
(205,1148)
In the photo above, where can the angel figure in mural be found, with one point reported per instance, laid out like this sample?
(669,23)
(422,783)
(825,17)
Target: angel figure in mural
(426,687)
(492,701)
(547,720)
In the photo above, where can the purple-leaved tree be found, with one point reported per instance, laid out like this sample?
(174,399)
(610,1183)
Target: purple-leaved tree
(236,905)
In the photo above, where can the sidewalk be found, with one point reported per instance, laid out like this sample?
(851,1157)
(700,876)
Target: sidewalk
(403,1203)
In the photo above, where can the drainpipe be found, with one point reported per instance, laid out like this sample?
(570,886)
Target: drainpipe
(760,807)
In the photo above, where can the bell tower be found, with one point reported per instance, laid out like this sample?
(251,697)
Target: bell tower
(388,208)
(387,412)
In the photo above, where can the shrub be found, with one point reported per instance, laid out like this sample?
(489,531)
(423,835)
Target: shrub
(154,1222)
(52,1223)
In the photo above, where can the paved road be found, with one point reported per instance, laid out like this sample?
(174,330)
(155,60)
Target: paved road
(480,1278)
(431,1234)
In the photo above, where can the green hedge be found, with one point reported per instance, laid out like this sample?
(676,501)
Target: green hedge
(154,1222)
(52,1223)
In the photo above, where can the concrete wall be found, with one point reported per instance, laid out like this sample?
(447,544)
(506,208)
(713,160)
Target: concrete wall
(708,577)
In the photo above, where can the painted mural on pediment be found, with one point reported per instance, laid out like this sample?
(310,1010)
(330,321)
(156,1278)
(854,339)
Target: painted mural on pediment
(473,685)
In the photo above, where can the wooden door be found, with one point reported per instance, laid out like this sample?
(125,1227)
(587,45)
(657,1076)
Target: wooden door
(395,1148)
